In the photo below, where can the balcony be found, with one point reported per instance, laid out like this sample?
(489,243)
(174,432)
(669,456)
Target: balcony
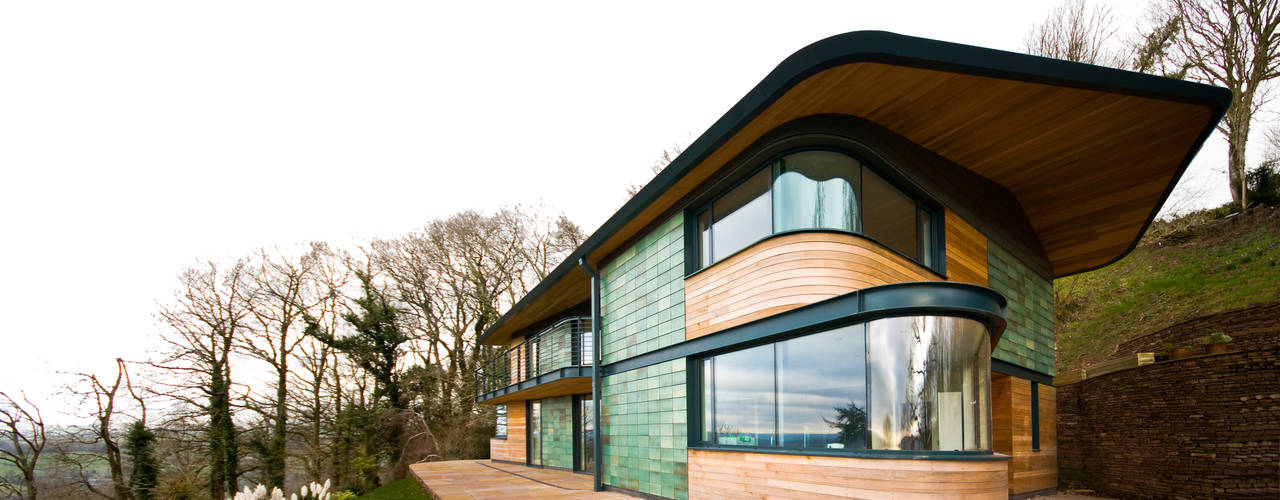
(559,355)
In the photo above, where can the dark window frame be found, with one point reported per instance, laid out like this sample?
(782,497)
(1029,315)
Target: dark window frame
(1035,416)
(500,421)
(696,406)
(925,204)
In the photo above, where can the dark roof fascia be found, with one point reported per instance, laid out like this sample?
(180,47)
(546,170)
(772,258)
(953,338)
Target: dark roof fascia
(900,50)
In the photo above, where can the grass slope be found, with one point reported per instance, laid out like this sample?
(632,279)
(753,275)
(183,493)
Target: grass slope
(1184,268)
(404,489)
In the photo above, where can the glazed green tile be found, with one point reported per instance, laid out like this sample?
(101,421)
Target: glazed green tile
(1028,338)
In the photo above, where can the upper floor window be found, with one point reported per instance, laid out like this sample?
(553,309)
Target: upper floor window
(816,189)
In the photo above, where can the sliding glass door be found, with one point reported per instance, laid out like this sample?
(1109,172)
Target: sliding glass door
(535,432)
(585,426)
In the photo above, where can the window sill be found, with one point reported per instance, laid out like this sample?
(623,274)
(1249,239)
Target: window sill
(891,454)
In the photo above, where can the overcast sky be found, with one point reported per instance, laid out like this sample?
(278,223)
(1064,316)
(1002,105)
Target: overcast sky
(137,138)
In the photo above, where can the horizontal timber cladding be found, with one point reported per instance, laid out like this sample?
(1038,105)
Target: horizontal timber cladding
(1029,470)
(1028,337)
(715,474)
(788,271)
(511,449)
(645,430)
(966,251)
(557,432)
(642,294)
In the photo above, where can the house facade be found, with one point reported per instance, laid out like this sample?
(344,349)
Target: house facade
(844,286)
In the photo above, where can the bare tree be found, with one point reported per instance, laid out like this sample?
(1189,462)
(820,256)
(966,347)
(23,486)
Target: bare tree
(276,307)
(1076,32)
(22,429)
(1235,44)
(102,397)
(205,321)
(667,156)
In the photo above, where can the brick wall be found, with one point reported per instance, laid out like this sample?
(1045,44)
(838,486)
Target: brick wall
(1201,427)
(1028,339)
(645,430)
(642,294)
(1250,328)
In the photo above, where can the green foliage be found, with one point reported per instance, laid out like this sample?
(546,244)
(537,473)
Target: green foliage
(404,489)
(139,445)
(377,344)
(358,446)
(1215,266)
(1264,185)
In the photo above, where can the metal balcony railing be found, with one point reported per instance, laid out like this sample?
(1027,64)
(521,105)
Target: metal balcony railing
(565,344)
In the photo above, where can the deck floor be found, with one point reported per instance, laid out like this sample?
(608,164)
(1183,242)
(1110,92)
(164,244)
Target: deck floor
(484,479)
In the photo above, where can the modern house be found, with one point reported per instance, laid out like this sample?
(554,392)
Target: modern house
(843,288)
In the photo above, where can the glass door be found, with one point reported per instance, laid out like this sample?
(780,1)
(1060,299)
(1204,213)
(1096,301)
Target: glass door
(535,432)
(586,434)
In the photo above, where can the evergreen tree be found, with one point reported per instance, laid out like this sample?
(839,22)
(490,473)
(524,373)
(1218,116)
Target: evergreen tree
(140,446)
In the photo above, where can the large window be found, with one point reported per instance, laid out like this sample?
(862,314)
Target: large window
(816,189)
(911,383)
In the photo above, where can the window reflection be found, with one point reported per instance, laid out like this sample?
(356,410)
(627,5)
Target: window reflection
(888,215)
(815,190)
(929,383)
(744,398)
(909,383)
(822,390)
(741,216)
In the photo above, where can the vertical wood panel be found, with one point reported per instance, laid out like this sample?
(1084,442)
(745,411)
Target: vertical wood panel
(1029,470)
(511,449)
(966,251)
(729,474)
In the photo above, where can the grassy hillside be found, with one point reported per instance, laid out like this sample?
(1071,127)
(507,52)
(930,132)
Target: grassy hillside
(1199,264)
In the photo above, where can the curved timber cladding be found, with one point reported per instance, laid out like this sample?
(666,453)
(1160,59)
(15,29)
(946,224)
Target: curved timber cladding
(788,271)
(732,474)
(791,270)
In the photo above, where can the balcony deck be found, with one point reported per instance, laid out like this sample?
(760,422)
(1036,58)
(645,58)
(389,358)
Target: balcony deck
(556,359)
(488,480)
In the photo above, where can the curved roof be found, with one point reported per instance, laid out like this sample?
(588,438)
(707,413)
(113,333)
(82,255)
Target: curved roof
(1091,153)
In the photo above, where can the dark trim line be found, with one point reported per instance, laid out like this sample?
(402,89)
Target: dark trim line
(895,454)
(546,378)
(1007,368)
(597,444)
(942,298)
(527,477)
(900,50)
(1035,416)
(1033,494)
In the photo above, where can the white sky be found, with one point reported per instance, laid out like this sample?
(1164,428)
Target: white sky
(139,137)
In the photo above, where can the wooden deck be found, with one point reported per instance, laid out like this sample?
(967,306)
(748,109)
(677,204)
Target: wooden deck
(484,479)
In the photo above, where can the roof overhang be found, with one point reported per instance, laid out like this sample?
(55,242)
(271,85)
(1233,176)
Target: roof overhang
(1091,153)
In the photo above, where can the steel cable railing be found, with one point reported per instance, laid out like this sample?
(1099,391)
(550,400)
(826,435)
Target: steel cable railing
(564,344)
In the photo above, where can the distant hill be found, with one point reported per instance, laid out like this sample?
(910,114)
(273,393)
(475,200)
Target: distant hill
(1199,264)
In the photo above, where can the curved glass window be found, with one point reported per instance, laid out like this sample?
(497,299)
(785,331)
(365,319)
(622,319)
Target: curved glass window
(910,383)
(929,383)
(815,189)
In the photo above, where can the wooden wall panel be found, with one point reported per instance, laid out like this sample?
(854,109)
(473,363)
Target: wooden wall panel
(1029,470)
(786,272)
(511,449)
(966,251)
(716,474)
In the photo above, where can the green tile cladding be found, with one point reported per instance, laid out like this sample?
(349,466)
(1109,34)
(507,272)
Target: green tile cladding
(645,430)
(557,432)
(642,294)
(1028,339)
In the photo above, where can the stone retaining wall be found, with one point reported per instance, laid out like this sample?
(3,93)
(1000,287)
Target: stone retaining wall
(1203,427)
